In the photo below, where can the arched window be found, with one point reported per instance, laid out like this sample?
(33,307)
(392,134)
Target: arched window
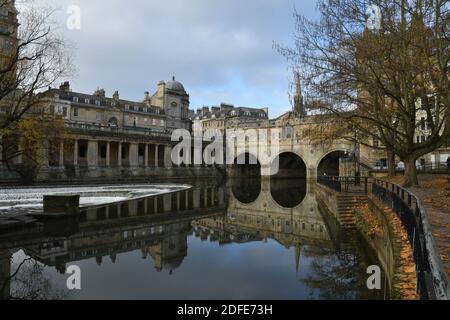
(113,122)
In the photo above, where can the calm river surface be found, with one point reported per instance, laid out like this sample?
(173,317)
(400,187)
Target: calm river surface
(242,240)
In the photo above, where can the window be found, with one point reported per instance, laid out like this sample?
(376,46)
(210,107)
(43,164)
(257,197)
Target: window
(423,125)
(75,112)
(97,102)
(98,116)
(103,152)
(86,101)
(113,122)
(82,151)
(64,111)
(75,99)
(418,139)
(127,107)
(376,143)
(162,123)
(145,109)
(288,133)
(153,122)
(423,138)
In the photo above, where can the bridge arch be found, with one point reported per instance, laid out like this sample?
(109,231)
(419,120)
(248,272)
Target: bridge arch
(246,178)
(288,185)
(328,164)
(290,165)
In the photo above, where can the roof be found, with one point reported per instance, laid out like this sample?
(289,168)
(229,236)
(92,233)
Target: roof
(175,86)
(104,102)
(221,113)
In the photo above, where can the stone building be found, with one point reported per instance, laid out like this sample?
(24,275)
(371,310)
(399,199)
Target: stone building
(109,135)
(8,29)
(112,137)
(228,116)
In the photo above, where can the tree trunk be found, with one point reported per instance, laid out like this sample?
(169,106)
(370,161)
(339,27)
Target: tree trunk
(391,163)
(410,173)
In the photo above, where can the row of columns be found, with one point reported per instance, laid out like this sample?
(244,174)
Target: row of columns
(92,154)
(204,198)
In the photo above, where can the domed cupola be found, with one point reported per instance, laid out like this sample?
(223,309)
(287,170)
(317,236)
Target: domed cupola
(174,85)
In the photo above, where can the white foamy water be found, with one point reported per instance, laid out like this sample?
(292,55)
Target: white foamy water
(21,199)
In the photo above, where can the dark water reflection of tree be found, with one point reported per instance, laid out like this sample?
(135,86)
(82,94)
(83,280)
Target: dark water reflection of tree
(339,275)
(29,281)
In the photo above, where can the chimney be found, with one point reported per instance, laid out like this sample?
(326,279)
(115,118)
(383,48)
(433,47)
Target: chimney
(65,86)
(100,93)
(116,95)
(266,110)
(205,110)
(224,107)
(146,96)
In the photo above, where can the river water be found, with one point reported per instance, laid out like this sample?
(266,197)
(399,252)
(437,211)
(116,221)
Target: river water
(247,239)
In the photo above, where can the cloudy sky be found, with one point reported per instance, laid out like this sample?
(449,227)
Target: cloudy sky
(222,51)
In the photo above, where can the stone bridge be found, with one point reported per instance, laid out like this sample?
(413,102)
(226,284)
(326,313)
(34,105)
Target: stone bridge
(296,156)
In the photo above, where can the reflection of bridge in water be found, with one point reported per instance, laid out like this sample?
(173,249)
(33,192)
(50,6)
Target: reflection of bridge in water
(284,210)
(159,225)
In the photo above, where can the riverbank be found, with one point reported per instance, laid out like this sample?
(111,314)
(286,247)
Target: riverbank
(384,232)
(434,192)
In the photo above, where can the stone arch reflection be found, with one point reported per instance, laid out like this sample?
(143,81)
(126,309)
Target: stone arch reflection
(246,178)
(246,190)
(288,187)
(290,166)
(288,193)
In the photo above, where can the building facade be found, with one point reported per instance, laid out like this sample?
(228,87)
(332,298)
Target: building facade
(109,136)
(227,116)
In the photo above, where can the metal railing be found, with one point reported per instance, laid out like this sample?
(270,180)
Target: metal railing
(345,184)
(429,167)
(432,281)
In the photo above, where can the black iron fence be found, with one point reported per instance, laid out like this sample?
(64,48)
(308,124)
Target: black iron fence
(432,282)
(345,184)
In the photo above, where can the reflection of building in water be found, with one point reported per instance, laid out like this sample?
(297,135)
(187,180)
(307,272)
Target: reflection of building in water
(157,225)
(166,244)
(269,216)
(264,218)
(5,271)
(169,253)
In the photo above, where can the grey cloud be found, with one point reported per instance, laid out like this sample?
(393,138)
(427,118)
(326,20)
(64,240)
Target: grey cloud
(131,45)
